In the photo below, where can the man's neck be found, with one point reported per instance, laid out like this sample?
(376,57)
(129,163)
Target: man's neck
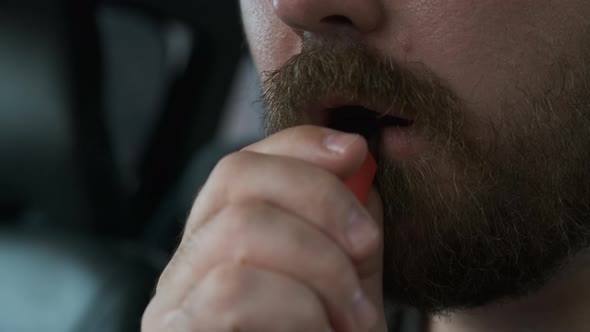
(562,305)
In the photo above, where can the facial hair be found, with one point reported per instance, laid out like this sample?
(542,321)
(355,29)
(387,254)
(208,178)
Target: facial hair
(495,207)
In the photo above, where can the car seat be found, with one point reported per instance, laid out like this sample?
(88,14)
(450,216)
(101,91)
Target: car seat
(60,267)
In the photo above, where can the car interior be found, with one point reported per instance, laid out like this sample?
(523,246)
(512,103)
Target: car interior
(112,114)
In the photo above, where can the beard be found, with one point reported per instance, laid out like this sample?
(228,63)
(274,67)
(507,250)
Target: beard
(495,207)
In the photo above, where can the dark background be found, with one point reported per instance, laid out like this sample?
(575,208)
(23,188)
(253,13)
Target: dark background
(112,113)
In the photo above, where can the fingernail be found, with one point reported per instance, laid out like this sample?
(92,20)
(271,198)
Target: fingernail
(339,142)
(364,312)
(360,230)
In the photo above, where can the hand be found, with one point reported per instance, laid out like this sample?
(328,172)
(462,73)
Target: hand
(276,242)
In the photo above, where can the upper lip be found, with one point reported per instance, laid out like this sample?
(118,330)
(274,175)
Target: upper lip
(319,112)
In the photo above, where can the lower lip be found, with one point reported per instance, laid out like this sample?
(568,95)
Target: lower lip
(402,143)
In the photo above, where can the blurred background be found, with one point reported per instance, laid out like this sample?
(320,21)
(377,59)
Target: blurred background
(112,114)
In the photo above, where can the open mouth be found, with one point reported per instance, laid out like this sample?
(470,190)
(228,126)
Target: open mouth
(364,121)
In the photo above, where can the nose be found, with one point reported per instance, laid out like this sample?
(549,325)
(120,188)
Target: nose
(318,16)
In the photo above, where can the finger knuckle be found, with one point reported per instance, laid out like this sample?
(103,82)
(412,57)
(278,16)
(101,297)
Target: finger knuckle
(172,321)
(164,277)
(330,190)
(234,232)
(231,164)
(242,211)
(233,321)
(312,314)
(227,284)
(148,320)
(244,216)
(337,272)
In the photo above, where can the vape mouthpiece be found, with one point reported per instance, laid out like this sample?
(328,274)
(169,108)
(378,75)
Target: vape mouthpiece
(360,183)
(356,119)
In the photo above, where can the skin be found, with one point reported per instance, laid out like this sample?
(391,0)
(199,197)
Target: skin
(251,243)
(227,275)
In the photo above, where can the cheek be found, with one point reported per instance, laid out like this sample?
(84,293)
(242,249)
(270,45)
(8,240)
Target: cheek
(271,42)
(488,51)
(473,46)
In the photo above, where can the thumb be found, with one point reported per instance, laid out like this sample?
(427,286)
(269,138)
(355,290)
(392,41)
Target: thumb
(371,272)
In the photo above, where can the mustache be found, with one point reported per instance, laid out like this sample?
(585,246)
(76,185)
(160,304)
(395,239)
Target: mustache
(355,72)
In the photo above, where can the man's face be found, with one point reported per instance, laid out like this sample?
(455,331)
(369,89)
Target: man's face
(487,192)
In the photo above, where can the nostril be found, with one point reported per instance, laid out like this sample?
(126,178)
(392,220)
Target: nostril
(327,16)
(337,20)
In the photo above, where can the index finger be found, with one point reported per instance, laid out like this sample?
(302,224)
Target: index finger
(337,152)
